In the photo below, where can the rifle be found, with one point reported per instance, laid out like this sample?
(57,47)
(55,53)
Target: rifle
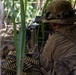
(31,33)
(34,49)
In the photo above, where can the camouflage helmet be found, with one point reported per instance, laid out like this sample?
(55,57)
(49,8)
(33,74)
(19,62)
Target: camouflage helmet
(59,11)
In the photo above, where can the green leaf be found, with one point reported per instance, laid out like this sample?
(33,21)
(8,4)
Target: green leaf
(45,5)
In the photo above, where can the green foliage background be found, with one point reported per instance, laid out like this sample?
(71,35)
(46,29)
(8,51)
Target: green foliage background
(30,13)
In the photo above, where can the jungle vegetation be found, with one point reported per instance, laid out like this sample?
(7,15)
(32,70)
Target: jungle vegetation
(24,12)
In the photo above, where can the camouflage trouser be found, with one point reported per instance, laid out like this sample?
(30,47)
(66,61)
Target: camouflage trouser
(65,66)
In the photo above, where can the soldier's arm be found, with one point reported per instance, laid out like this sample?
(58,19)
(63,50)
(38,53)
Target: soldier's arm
(61,68)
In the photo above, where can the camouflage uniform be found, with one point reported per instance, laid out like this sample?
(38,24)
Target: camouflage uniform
(59,54)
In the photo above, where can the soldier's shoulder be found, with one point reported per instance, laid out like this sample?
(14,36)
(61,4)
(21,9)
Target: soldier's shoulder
(56,36)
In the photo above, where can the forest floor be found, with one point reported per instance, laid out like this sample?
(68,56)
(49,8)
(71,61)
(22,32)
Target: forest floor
(7,41)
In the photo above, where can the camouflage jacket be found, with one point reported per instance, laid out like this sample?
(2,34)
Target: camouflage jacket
(59,54)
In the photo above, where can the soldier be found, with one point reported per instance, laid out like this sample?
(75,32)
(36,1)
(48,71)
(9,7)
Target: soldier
(59,54)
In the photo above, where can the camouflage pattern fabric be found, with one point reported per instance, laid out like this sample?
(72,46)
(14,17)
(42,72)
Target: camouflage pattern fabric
(58,47)
(66,66)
